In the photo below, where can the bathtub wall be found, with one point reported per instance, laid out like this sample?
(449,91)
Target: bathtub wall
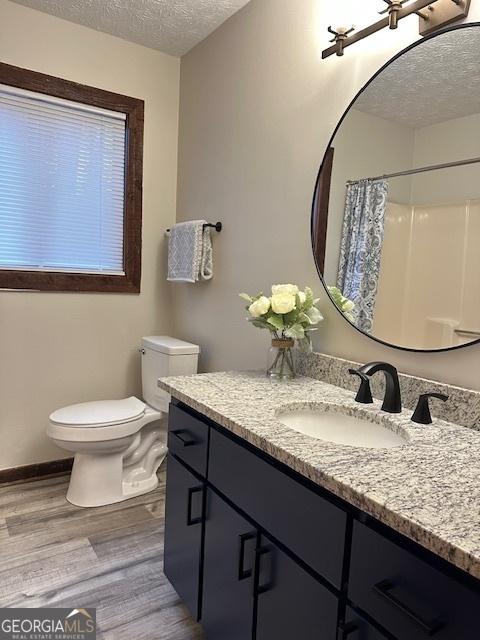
(428,289)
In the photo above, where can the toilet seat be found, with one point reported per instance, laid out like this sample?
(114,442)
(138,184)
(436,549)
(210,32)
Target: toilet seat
(104,420)
(102,413)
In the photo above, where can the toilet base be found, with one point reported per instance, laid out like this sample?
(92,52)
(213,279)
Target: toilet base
(138,487)
(88,493)
(105,473)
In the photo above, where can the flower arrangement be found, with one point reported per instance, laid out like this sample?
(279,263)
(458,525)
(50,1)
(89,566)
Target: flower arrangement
(345,305)
(289,314)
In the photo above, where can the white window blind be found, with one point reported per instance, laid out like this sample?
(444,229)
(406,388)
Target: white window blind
(62,167)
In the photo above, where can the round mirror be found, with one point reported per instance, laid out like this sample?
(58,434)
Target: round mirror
(396,214)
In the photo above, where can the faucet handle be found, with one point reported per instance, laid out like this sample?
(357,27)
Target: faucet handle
(422,413)
(364,394)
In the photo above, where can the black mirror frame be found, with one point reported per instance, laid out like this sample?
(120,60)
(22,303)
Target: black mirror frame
(316,193)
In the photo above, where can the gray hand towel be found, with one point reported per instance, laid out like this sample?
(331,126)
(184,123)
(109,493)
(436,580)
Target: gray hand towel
(190,252)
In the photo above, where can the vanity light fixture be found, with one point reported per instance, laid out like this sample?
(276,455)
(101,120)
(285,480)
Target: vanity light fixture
(433,15)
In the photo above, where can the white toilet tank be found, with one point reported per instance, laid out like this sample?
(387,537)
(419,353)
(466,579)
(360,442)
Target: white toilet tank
(164,356)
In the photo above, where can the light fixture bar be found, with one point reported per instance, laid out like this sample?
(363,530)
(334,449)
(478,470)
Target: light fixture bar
(403,12)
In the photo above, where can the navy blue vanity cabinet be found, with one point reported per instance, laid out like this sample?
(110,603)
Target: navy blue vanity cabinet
(406,594)
(229,554)
(291,603)
(184,511)
(257,552)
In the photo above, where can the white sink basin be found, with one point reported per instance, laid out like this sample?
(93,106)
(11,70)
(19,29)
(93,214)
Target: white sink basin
(332,425)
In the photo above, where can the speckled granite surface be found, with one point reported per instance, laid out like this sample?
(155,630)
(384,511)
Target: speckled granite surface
(427,489)
(462,408)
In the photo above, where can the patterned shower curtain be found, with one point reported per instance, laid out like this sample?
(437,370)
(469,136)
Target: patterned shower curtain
(361,247)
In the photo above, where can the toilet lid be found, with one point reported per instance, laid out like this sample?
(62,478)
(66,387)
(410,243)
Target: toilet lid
(99,414)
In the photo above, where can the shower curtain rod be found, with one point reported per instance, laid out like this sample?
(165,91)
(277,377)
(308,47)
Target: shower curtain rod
(447,165)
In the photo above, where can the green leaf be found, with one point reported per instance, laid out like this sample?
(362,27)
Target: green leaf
(290,318)
(314,315)
(309,298)
(259,323)
(246,297)
(297,332)
(276,321)
(303,318)
(340,300)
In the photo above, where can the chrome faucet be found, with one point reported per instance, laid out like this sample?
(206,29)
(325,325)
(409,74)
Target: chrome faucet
(393,400)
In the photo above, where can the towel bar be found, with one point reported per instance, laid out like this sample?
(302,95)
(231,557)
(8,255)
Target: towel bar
(217,226)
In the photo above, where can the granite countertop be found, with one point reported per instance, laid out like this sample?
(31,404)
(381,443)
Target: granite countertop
(427,489)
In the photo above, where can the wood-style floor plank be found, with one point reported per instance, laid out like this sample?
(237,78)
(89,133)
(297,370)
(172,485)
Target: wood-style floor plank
(59,524)
(37,576)
(143,540)
(24,496)
(3,532)
(110,558)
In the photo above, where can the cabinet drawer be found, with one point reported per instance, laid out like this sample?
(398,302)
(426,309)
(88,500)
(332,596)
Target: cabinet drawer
(188,439)
(405,594)
(307,524)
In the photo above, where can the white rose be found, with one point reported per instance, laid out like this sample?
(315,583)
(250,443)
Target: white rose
(259,307)
(290,289)
(348,306)
(283,302)
(302,295)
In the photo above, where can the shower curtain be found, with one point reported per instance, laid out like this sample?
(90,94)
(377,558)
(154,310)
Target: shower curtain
(361,247)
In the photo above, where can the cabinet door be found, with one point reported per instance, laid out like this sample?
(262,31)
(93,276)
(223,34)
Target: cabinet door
(291,603)
(229,551)
(183,533)
(357,628)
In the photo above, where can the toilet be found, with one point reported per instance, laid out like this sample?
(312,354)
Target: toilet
(120,444)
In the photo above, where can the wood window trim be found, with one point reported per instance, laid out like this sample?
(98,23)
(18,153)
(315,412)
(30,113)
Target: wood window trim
(132,222)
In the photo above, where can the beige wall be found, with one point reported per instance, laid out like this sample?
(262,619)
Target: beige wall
(258,106)
(57,349)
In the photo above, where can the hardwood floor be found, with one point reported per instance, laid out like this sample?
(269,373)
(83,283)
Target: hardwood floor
(111,558)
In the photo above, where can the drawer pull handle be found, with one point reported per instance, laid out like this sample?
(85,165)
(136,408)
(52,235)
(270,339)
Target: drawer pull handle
(384,589)
(186,441)
(258,589)
(347,628)
(242,572)
(191,492)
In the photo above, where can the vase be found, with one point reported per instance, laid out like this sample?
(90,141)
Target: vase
(281,359)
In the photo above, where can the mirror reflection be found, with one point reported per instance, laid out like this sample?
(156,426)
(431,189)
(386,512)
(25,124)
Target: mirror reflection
(397,211)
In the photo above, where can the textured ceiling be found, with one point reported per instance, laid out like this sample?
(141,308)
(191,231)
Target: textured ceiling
(434,82)
(171,26)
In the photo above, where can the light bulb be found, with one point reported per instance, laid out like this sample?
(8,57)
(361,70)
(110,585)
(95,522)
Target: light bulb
(353,13)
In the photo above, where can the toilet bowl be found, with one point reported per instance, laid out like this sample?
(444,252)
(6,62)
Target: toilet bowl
(118,445)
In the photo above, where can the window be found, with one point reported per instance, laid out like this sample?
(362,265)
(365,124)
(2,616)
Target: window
(70,185)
